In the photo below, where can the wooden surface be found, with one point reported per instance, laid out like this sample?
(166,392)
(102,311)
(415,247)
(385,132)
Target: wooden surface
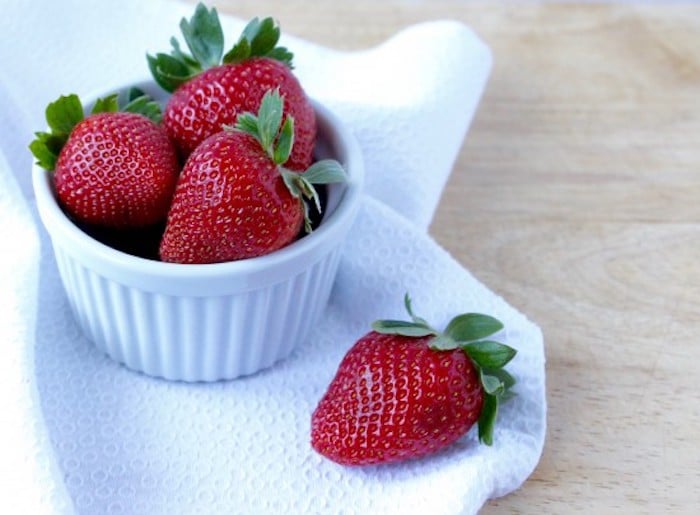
(577,197)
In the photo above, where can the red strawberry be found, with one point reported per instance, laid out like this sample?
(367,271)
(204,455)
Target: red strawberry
(405,390)
(111,169)
(210,89)
(234,200)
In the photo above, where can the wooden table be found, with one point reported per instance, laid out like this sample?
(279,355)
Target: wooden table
(577,197)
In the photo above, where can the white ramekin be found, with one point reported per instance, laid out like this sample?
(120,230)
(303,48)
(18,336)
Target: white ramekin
(205,322)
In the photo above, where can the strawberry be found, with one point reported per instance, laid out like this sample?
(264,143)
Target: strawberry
(234,199)
(405,390)
(210,89)
(111,168)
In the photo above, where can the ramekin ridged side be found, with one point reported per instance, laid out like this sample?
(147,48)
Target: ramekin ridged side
(196,338)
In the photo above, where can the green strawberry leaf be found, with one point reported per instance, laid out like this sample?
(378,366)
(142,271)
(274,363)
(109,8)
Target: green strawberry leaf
(402,328)
(285,142)
(248,123)
(145,106)
(265,38)
(169,72)
(64,114)
(294,186)
(308,226)
(472,326)
(489,353)
(45,148)
(204,36)
(269,120)
(502,375)
(250,30)
(61,116)
(325,171)
(240,52)
(259,39)
(133,93)
(108,104)
(189,61)
(301,188)
(491,384)
(54,142)
(443,342)
(283,55)
(487,419)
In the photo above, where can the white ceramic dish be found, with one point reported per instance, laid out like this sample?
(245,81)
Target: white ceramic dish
(205,322)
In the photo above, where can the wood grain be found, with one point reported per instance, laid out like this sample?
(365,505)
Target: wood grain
(577,197)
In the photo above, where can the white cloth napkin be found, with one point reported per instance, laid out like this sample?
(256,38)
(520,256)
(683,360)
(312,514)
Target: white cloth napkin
(82,434)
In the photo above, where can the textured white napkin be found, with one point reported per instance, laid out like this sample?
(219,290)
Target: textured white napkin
(82,434)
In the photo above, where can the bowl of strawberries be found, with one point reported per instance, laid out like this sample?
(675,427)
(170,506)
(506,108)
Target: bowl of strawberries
(197,217)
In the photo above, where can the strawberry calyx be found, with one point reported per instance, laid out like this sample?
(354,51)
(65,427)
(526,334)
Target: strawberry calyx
(204,38)
(468,332)
(259,39)
(276,138)
(63,114)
